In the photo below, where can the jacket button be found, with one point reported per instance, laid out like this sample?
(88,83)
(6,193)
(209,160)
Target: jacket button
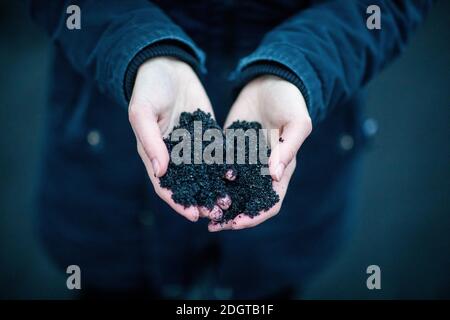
(346,142)
(94,138)
(370,127)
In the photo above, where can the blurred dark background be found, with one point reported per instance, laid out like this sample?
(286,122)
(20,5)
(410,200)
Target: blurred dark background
(404,207)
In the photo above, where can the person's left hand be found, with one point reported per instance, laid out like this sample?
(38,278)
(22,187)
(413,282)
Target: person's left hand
(276,104)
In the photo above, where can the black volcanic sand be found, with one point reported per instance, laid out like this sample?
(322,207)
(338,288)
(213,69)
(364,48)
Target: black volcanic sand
(202,184)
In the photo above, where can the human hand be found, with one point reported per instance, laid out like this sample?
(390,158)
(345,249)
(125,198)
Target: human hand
(164,88)
(276,104)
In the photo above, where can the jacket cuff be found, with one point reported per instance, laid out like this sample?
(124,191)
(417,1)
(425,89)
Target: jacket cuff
(158,49)
(131,34)
(260,68)
(293,60)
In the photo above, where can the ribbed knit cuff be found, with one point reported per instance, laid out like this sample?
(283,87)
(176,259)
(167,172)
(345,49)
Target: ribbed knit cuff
(261,68)
(159,49)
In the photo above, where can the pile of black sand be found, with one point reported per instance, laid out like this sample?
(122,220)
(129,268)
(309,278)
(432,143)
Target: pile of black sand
(202,184)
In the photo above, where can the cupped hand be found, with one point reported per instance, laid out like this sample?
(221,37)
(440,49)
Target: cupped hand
(164,88)
(276,104)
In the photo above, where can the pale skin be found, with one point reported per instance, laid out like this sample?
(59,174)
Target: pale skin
(276,104)
(165,87)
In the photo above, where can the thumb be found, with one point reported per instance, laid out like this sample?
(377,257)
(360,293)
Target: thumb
(147,131)
(285,149)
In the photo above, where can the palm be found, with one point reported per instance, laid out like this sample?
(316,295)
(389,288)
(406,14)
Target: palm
(167,87)
(276,104)
(164,88)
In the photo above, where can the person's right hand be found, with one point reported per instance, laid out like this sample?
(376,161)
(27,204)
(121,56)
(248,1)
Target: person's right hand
(164,88)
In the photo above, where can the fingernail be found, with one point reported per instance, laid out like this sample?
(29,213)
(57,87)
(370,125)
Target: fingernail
(230,175)
(155,165)
(216,213)
(213,226)
(279,171)
(224,202)
(195,215)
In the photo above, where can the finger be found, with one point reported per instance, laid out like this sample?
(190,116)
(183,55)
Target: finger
(230,175)
(204,212)
(190,213)
(216,213)
(147,131)
(215,226)
(224,202)
(285,150)
(243,221)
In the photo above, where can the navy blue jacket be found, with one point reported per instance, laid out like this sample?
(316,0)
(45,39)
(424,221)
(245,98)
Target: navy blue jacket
(96,206)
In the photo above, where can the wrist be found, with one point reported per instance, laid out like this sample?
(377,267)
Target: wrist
(161,51)
(271,85)
(167,65)
(261,69)
(272,97)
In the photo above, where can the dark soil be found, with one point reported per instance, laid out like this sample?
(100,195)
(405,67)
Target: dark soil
(202,184)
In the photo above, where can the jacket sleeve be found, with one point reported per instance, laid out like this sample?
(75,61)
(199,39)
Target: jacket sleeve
(328,51)
(114,35)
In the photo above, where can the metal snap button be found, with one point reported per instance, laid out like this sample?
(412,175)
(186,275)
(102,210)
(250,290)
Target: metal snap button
(370,127)
(346,142)
(94,138)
